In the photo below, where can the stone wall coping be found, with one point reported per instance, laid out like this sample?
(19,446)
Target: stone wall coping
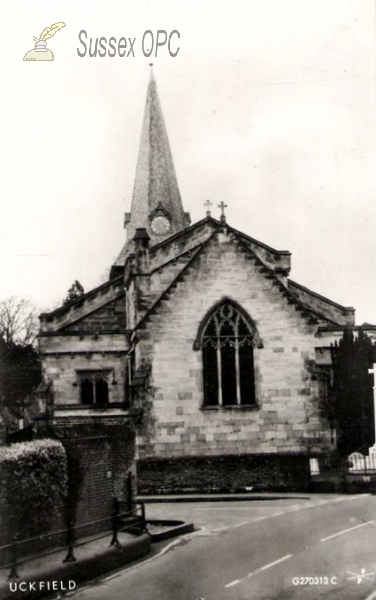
(347,309)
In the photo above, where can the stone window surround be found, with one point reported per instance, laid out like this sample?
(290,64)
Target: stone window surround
(252,337)
(95,376)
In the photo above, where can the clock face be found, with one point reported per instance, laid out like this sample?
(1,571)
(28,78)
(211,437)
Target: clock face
(160,225)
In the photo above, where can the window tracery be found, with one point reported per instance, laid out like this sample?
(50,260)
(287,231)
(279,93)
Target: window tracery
(227,343)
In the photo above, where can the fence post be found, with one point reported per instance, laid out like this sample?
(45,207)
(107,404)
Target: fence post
(115,513)
(13,570)
(70,557)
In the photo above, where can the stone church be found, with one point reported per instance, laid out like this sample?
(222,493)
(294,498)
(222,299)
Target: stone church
(199,343)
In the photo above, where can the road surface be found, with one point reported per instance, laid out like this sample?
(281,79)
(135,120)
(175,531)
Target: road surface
(311,547)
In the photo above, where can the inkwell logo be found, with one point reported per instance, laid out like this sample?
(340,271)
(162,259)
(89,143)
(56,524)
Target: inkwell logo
(41,51)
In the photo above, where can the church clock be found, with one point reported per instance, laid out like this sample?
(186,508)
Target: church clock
(160,225)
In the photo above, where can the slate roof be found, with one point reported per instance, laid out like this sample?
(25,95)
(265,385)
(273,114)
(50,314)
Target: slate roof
(155,183)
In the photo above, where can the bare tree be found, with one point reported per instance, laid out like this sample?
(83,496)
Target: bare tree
(18,321)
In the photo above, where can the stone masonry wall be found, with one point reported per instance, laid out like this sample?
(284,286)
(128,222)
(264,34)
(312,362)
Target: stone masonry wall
(286,419)
(86,305)
(109,317)
(64,356)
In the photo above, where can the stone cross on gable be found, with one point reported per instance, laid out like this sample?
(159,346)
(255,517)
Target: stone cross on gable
(208,204)
(222,206)
(373,372)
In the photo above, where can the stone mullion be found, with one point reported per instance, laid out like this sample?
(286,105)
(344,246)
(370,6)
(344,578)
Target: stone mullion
(237,369)
(219,359)
(219,370)
(93,383)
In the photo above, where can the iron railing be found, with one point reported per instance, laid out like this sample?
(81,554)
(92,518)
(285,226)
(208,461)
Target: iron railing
(362,465)
(129,520)
(355,464)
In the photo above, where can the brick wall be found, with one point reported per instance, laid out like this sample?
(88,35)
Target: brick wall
(107,450)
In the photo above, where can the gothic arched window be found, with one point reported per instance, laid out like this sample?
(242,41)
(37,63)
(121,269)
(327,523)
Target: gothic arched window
(94,387)
(227,340)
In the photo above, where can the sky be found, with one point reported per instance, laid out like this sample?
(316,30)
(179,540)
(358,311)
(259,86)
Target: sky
(269,106)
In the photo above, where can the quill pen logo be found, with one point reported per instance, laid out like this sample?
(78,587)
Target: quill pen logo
(40,51)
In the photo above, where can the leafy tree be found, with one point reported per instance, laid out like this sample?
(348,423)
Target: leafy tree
(75,291)
(21,373)
(352,394)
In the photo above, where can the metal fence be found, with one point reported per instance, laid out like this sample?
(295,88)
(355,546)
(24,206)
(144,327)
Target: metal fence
(129,520)
(362,465)
(355,464)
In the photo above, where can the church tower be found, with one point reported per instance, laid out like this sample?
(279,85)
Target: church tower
(156,203)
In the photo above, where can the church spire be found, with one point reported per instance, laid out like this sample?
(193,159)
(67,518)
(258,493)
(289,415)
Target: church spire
(156,202)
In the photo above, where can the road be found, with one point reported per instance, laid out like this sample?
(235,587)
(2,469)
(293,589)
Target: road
(311,547)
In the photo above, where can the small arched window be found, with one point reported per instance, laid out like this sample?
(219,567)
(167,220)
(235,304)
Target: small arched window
(94,387)
(227,340)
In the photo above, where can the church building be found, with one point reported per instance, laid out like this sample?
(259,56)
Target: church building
(199,343)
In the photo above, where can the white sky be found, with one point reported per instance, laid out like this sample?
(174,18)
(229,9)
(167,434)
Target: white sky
(270,106)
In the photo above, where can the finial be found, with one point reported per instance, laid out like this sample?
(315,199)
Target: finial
(222,206)
(208,204)
(151,72)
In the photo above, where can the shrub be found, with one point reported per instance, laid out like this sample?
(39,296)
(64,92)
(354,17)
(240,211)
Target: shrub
(33,483)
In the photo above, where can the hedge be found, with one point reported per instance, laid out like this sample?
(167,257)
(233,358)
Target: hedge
(33,484)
